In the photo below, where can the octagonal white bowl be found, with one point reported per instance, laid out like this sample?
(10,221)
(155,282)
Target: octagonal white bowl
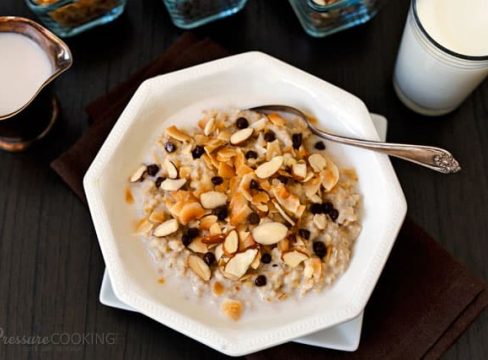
(240,81)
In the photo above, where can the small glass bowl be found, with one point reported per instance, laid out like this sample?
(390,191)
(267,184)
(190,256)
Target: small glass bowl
(320,18)
(71,17)
(188,14)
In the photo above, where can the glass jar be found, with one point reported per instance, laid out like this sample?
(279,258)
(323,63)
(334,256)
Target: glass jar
(70,17)
(320,18)
(188,14)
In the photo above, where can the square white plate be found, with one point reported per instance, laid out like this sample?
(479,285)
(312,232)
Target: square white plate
(345,336)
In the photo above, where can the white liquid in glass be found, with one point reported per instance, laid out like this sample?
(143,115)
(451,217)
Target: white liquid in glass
(24,67)
(429,80)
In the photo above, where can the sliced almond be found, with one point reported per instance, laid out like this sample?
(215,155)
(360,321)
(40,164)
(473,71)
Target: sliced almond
(320,221)
(166,228)
(259,124)
(198,246)
(294,258)
(262,208)
(317,162)
(330,176)
(157,217)
(238,265)
(257,261)
(219,251)
(231,243)
(207,221)
(267,169)
(172,184)
(241,136)
(199,267)
(138,174)
(213,199)
(232,309)
(299,170)
(283,213)
(209,127)
(215,229)
(177,134)
(269,233)
(246,242)
(170,169)
(213,239)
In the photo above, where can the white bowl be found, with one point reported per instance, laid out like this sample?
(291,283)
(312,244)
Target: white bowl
(240,81)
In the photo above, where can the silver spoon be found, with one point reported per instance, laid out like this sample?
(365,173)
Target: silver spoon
(429,156)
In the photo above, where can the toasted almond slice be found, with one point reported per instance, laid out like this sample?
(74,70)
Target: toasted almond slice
(198,246)
(284,245)
(138,174)
(166,228)
(299,170)
(143,227)
(219,251)
(294,258)
(213,199)
(283,213)
(320,221)
(215,229)
(238,265)
(170,169)
(157,216)
(232,309)
(231,243)
(224,135)
(309,176)
(207,221)
(330,176)
(209,126)
(317,162)
(257,261)
(177,134)
(213,239)
(262,208)
(269,233)
(267,169)
(240,136)
(172,184)
(199,267)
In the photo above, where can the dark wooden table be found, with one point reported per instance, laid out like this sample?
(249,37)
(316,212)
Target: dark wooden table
(50,263)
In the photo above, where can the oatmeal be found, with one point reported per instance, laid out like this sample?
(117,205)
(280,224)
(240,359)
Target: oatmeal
(246,206)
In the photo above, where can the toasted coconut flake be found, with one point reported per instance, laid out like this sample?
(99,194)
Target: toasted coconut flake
(317,162)
(138,174)
(166,228)
(231,243)
(226,154)
(212,145)
(232,309)
(273,149)
(246,242)
(191,211)
(299,170)
(294,258)
(226,171)
(157,216)
(207,221)
(213,199)
(267,169)
(239,209)
(239,264)
(198,266)
(224,135)
(240,136)
(283,213)
(276,119)
(172,184)
(143,227)
(330,176)
(269,233)
(284,245)
(177,134)
(213,238)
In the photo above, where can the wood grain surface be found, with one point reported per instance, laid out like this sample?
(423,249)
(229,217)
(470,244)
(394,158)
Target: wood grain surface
(50,262)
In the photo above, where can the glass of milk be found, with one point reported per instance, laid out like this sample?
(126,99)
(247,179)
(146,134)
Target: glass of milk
(31,57)
(443,55)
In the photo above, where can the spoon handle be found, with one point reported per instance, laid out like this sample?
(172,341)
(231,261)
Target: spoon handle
(429,156)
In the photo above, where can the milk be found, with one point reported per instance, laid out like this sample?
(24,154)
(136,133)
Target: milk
(24,67)
(428,79)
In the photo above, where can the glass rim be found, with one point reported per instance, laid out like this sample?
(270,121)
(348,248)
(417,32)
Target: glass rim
(439,46)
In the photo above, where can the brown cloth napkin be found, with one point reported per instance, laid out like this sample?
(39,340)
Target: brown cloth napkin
(424,299)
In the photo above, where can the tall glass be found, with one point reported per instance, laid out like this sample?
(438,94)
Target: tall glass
(429,78)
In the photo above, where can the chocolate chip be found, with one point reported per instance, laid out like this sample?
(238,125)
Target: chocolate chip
(221,212)
(254,185)
(319,249)
(186,240)
(242,123)
(304,233)
(260,280)
(334,214)
(152,169)
(251,155)
(327,207)
(316,208)
(192,232)
(159,180)
(266,258)
(217,180)
(283,179)
(296,140)
(169,147)
(269,136)
(209,258)
(319,145)
(197,152)
(253,218)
